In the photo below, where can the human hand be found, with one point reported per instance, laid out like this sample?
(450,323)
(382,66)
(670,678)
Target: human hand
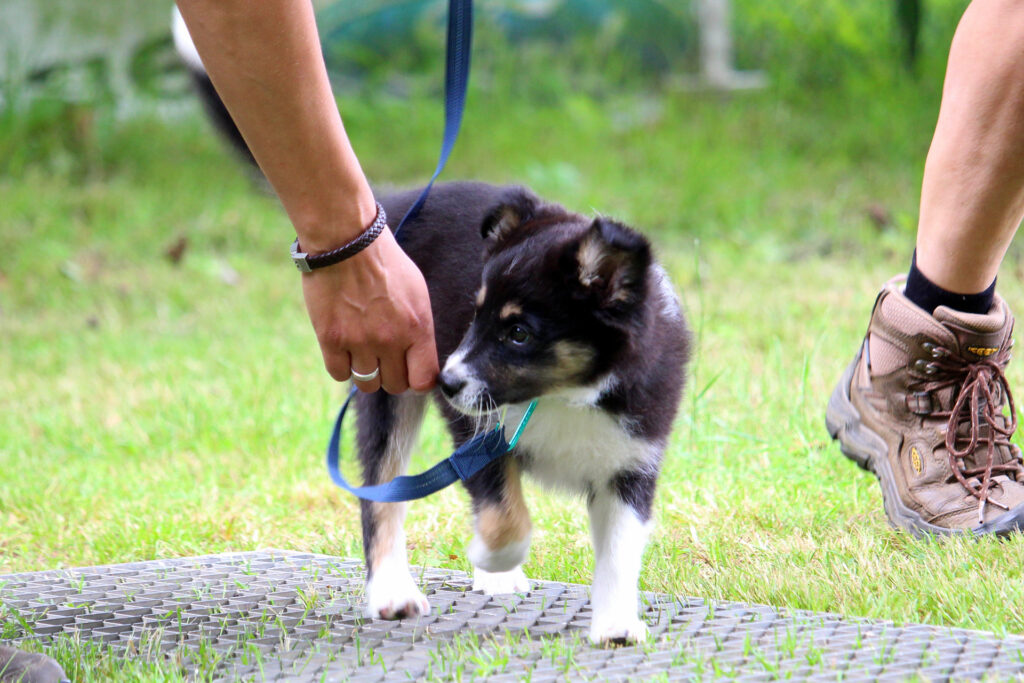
(373,310)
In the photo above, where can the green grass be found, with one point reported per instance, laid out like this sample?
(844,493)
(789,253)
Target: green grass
(150,410)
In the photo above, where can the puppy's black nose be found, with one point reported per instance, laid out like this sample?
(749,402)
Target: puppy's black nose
(450,384)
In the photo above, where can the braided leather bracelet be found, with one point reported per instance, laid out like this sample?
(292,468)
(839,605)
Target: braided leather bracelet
(309,262)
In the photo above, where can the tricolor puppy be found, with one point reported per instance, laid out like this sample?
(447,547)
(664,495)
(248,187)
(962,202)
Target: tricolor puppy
(531,301)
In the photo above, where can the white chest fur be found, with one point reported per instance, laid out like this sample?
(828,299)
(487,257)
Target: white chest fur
(576,446)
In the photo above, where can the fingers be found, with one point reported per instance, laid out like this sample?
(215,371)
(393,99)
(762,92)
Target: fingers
(415,368)
(398,371)
(421,359)
(337,362)
(367,365)
(393,375)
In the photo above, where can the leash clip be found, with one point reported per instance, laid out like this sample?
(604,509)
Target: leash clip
(522,424)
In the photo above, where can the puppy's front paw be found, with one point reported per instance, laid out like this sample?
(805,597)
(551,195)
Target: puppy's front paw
(394,595)
(621,631)
(495,583)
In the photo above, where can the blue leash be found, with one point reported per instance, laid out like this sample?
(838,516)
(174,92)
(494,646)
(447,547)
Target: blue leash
(456,79)
(476,453)
(467,460)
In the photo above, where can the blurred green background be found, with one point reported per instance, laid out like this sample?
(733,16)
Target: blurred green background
(161,393)
(115,58)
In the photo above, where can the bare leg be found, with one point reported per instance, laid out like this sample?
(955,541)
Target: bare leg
(972,199)
(942,470)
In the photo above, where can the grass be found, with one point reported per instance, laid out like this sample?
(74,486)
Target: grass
(151,409)
(462,655)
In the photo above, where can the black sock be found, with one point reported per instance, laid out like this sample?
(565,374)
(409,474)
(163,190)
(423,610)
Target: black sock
(930,296)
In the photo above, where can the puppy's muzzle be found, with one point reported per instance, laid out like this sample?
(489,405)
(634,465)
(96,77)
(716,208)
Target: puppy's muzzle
(450,383)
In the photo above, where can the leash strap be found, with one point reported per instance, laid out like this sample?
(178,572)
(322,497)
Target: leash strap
(456,80)
(479,451)
(467,460)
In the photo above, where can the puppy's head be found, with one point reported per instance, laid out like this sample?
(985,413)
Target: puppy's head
(561,296)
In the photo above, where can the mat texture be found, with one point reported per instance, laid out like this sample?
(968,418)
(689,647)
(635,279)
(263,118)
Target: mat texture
(277,615)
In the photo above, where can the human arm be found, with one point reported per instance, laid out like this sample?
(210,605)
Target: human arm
(373,309)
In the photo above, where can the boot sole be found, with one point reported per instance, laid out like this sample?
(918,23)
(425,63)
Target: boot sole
(864,446)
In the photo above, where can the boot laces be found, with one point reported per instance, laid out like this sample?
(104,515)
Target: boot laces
(978,405)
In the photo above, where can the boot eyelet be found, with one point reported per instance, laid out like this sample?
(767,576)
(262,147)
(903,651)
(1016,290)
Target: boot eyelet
(935,350)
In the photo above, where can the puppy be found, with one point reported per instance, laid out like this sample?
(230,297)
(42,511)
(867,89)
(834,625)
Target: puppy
(531,301)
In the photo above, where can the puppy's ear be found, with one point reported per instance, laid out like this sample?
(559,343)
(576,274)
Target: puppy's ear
(611,267)
(517,207)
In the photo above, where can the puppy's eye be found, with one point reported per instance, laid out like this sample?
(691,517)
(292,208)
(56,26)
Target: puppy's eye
(519,335)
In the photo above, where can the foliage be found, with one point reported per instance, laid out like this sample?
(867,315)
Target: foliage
(545,52)
(595,45)
(184,407)
(809,45)
(154,407)
(908,17)
(623,43)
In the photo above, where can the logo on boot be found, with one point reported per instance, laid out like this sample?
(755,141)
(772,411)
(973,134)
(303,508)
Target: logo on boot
(983,351)
(915,459)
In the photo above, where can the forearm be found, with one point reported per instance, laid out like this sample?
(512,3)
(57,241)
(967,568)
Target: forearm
(370,311)
(265,61)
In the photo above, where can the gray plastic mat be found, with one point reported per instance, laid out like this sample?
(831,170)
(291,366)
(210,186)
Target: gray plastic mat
(277,615)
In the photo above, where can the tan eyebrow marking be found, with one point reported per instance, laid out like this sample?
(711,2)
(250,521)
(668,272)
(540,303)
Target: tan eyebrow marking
(510,309)
(481,295)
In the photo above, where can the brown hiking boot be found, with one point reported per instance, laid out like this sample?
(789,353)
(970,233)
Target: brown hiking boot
(922,406)
(17,666)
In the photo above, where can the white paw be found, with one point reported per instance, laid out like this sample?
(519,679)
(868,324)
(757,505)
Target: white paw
(617,631)
(494,583)
(394,595)
(498,561)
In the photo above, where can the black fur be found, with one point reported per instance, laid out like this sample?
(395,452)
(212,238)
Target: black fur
(528,251)
(444,242)
(619,283)
(487,486)
(568,302)
(636,489)
(624,332)
(517,206)
(537,300)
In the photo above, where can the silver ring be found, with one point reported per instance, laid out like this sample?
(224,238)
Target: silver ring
(359,377)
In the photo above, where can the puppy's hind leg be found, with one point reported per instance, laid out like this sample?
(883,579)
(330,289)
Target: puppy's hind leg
(502,524)
(387,430)
(620,513)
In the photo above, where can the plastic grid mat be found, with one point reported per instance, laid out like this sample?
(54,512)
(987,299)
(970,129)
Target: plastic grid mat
(277,615)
